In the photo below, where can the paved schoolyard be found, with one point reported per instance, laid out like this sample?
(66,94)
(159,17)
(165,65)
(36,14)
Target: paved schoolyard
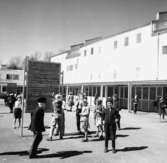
(142,139)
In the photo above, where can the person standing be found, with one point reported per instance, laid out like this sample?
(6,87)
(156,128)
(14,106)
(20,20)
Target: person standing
(11,101)
(116,105)
(70,101)
(110,116)
(98,119)
(58,118)
(163,106)
(79,105)
(85,118)
(18,111)
(135,104)
(37,126)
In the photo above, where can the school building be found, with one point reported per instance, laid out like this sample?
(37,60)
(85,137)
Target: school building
(128,63)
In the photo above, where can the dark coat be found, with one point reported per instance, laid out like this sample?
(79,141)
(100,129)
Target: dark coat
(37,121)
(110,116)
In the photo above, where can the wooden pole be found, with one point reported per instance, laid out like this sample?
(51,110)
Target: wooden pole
(22,122)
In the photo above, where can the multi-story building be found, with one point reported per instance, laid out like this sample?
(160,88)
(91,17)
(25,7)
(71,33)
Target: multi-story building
(128,63)
(11,80)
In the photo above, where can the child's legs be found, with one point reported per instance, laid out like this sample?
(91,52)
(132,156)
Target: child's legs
(19,121)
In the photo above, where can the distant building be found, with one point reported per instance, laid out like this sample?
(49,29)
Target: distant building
(11,80)
(128,63)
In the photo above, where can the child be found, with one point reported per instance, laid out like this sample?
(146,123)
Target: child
(110,115)
(85,118)
(58,118)
(98,118)
(18,111)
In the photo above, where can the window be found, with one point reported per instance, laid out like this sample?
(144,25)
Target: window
(85,52)
(8,76)
(138,38)
(152,93)
(4,89)
(138,91)
(15,77)
(115,44)
(145,93)
(99,50)
(69,67)
(164,50)
(12,77)
(126,41)
(92,51)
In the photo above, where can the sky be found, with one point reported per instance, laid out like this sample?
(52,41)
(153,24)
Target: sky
(29,26)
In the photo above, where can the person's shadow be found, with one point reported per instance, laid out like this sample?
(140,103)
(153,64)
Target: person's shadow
(61,154)
(23,153)
(131,128)
(127,149)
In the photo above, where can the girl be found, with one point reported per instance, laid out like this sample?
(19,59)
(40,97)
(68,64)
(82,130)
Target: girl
(18,111)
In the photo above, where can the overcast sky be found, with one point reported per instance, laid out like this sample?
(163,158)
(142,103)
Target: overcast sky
(27,26)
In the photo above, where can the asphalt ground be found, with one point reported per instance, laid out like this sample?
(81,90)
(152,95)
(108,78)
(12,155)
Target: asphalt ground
(142,139)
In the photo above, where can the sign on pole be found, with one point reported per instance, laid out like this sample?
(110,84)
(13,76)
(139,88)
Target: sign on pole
(43,78)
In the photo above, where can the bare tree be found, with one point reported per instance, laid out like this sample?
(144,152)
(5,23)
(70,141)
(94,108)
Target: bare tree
(47,56)
(35,56)
(15,62)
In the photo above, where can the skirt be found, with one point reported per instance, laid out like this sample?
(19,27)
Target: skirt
(17,113)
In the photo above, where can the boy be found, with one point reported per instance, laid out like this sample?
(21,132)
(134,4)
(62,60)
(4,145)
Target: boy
(37,126)
(110,116)
(85,118)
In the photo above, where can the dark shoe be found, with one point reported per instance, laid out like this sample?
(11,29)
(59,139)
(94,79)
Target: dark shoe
(61,137)
(105,150)
(113,150)
(85,140)
(32,156)
(49,139)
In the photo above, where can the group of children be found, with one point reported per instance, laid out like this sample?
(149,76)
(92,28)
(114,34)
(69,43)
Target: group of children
(105,119)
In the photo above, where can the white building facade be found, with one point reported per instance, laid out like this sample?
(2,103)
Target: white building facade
(128,63)
(11,80)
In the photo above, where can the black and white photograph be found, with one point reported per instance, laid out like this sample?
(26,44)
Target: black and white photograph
(83,81)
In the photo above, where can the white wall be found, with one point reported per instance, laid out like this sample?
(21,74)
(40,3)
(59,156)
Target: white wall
(162,57)
(135,62)
(3,74)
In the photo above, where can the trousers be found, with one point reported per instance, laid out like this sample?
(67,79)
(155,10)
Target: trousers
(36,142)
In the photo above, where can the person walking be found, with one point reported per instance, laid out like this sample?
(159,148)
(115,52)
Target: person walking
(110,116)
(37,125)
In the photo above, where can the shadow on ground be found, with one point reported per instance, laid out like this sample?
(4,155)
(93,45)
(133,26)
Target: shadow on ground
(131,128)
(121,136)
(127,149)
(63,154)
(23,153)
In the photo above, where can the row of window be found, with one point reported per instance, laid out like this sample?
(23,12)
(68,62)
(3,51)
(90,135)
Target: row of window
(115,43)
(12,77)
